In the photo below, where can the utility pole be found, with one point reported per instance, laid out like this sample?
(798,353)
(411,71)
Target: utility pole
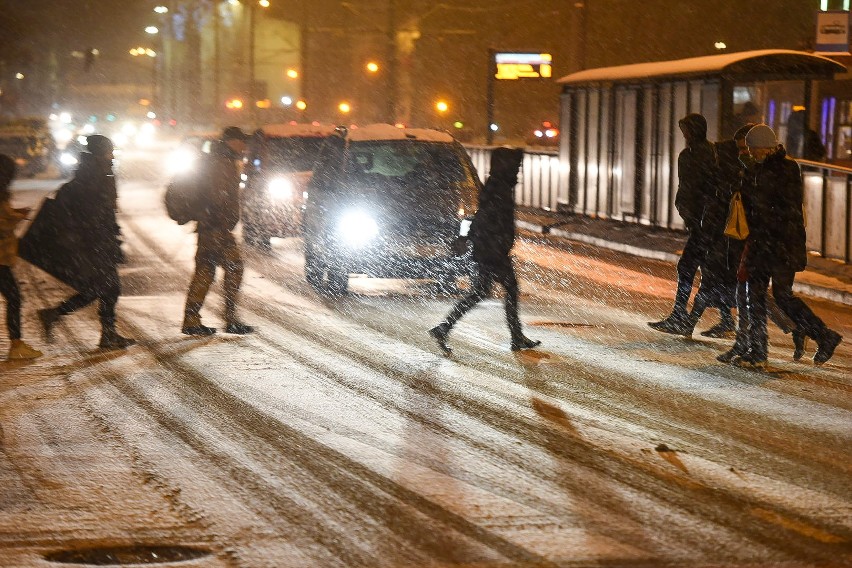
(252,91)
(392,63)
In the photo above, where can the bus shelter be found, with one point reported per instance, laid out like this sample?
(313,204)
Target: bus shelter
(620,135)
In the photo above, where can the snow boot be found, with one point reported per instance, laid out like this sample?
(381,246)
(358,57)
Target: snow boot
(440,333)
(20,350)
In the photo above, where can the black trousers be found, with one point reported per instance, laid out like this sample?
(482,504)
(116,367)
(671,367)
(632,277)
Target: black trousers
(501,271)
(792,306)
(105,290)
(9,290)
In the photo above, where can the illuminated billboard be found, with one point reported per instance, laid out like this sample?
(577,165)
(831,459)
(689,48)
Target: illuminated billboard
(512,66)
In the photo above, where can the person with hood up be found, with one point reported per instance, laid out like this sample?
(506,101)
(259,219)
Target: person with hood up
(492,235)
(9,219)
(217,245)
(773,196)
(89,202)
(698,181)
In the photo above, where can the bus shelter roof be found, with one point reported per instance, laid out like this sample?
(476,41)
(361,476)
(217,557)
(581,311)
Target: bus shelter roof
(759,65)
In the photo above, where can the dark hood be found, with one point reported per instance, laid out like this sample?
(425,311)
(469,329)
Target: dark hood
(694,126)
(505,164)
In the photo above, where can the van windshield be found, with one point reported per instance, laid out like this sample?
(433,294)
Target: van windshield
(293,154)
(409,167)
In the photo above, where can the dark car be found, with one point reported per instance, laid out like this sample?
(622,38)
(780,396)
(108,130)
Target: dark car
(280,162)
(388,202)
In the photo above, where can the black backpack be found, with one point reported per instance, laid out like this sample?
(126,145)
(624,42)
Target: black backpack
(186,195)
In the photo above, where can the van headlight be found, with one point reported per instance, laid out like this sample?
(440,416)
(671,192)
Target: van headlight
(281,189)
(357,228)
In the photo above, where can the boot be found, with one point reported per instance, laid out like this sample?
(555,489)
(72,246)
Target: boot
(800,341)
(48,318)
(199,330)
(826,346)
(721,329)
(677,323)
(524,342)
(20,350)
(440,333)
(110,339)
(752,360)
(238,328)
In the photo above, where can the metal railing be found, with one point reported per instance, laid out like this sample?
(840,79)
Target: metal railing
(538,185)
(828,209)
(827,198)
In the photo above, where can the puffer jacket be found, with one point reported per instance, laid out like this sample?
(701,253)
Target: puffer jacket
(773,195)
(222,212)
(9,219)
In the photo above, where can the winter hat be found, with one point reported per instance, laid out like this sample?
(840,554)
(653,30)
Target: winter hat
(761,136)
(99,145)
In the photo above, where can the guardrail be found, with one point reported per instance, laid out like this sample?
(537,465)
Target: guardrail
(828,209)
(828,196)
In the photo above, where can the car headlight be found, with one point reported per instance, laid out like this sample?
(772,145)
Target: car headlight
(181,161)
(67,159)
(357,228)
(464,227)
(281,189)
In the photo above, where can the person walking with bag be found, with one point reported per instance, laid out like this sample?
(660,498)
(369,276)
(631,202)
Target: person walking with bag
(88,204)
(217,245)
(9,219)
(776,246)
(492,234)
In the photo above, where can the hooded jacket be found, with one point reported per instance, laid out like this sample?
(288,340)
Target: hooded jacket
(697,171)
(223,210)
(89,202)
(773,195)
(492,232)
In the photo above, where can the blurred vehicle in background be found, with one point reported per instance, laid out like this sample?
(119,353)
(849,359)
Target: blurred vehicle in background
(389,202)
(546,134)
(27,141)
(279,167)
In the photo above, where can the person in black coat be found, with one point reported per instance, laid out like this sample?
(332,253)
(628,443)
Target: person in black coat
(773,196)
(492,234)
(698,180)
(88,203)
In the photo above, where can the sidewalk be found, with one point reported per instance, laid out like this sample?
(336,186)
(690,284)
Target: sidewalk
(824,278)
